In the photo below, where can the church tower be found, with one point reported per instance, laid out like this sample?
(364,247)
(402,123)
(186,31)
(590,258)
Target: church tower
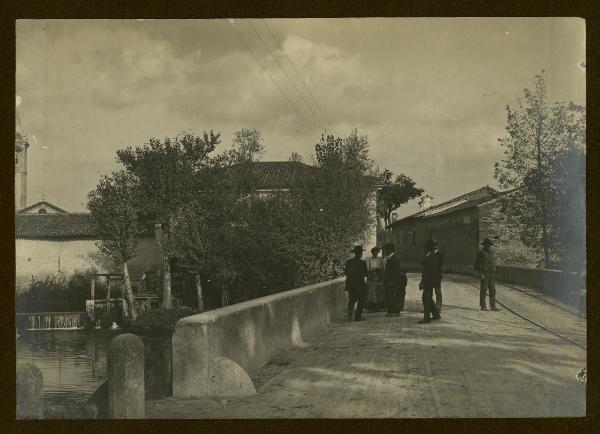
(21,146)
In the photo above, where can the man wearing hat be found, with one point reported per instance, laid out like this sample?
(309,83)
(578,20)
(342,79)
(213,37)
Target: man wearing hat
(430,278)
(394,281)
(356,271)
(485,264)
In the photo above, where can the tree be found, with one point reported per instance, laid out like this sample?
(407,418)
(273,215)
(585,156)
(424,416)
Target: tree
(169,172)
(247,146)
(113,205)
(537,133)
(295,156)
(394,193)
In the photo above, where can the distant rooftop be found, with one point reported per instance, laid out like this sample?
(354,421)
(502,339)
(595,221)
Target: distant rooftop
(63,225)
(275,174)
(467,200)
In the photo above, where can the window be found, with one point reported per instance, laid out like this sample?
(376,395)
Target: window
(411,239)
(400,240)
(466,219)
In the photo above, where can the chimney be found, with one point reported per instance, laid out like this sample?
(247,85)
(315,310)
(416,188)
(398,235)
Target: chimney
(425,202)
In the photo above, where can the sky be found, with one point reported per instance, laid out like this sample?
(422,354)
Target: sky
(430,94)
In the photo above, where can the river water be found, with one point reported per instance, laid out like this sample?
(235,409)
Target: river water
(73,364)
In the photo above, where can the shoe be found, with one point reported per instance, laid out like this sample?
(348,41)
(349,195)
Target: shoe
(424,321)
(359,319)
(484,308)
(494,308)
(436,317)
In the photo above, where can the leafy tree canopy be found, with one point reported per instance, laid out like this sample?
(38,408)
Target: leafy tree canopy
(542,141)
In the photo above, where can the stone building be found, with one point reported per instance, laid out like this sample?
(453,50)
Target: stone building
(459,225)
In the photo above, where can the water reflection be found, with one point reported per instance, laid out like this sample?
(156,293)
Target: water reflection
(74,365)
(73,362)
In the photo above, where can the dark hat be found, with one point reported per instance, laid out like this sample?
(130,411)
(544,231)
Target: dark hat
(487,241)
(375,249)
(358,249)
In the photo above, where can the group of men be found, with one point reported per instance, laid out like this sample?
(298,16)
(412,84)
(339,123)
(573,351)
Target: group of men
(385,285)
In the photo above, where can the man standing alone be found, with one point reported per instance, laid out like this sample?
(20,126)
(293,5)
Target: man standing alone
(438,288)
(430,277)
(394,281)
(356,271)
(485,264)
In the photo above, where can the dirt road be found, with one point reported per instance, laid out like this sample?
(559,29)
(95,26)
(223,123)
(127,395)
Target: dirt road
(469,364)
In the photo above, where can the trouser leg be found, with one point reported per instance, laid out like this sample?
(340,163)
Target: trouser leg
(426,299)
(491,283)
(389,299)
(351,302)
(482,291)
(360,299)
(401,297)
(432,307)
(438,297)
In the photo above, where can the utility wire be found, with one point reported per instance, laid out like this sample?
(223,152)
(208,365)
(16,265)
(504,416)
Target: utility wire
(269,75)
(297,73)
(285,72)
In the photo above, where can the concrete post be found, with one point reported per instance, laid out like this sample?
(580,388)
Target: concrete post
(126,397)
(30,395)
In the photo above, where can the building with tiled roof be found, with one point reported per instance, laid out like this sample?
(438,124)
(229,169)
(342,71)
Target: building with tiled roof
(458,225)
(64,244)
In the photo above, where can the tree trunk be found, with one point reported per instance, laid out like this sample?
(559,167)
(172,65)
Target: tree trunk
(133,312)
(167,297)
(199,293)
(224,297)
(167,302)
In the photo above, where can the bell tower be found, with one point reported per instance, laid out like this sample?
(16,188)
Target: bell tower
(21,146)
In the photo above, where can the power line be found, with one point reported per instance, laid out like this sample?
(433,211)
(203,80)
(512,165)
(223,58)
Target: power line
(269,75)
(297,73)
(284,71)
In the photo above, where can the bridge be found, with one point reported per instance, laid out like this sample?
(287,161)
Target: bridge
(522,361)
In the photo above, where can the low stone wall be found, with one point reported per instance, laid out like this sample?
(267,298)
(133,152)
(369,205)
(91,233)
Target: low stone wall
(248,334)
(565,287)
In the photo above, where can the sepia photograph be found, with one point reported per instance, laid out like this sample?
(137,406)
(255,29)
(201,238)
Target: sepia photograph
(307,218)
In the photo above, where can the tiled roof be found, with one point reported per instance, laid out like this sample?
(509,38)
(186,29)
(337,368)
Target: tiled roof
(274,174)
(467,200)
(44,226)
(278,174)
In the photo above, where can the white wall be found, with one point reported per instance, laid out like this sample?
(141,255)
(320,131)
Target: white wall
(50,258)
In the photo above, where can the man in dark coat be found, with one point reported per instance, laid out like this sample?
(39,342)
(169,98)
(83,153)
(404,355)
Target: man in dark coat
(394,281)
(430,277)
(438,289)
(356,271)
(485,264)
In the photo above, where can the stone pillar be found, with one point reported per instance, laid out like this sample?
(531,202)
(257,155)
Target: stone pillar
(30,395)
(126,396)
